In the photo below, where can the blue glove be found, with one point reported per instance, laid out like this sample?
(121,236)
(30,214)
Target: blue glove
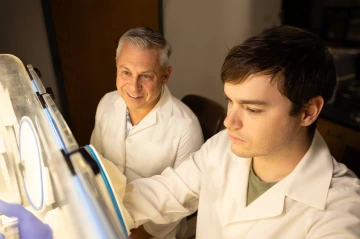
(30,227)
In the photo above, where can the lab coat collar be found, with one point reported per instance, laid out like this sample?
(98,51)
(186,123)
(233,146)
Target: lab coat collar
(120,111)
(310,181)
(308,184)
(269,204)
(163,106)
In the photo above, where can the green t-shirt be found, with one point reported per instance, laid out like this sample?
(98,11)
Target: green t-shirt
(256,187)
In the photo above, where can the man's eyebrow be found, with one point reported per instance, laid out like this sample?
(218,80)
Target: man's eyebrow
(144,72)
(148,71)
(122,66)
(253,102)
(250,102)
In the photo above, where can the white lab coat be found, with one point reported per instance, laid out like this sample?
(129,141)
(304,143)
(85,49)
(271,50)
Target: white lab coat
(319,199)
(167,135)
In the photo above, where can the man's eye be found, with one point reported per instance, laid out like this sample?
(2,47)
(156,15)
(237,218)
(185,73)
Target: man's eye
(228,100)
(146,76)
(126,73)
(254,111)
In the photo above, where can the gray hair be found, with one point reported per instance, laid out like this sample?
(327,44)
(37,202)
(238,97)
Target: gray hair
(146,38)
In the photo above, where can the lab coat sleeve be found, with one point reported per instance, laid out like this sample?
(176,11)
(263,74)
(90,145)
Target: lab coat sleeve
(168,197)
(342,217)
(191,141)
(96,138)
(161,231)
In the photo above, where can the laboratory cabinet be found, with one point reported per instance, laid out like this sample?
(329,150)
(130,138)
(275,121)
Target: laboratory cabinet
(343,142)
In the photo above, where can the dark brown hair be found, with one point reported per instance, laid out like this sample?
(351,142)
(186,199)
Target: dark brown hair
(300,56)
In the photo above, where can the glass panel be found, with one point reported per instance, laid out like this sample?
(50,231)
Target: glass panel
(41,165)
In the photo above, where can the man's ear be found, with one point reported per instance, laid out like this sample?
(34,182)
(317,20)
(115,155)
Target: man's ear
(312,111)
(167,74)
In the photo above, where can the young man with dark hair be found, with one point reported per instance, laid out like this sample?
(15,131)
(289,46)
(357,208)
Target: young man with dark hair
(269,174)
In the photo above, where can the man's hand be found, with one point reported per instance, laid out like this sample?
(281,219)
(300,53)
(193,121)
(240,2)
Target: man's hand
(29,226)
(139,233)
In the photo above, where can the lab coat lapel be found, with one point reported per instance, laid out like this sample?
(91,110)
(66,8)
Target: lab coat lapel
(239,180)
(119,142)
(314,172)
(164,107)
(235,184)
(225,183)
(312,177)
(269,204)
(149,120)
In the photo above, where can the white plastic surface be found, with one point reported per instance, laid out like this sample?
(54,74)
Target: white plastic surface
(31,159)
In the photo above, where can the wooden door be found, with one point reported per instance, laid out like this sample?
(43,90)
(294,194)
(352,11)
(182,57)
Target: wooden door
(87,34)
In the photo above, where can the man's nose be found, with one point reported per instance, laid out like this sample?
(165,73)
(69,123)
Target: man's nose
(135,84)
(233,119)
